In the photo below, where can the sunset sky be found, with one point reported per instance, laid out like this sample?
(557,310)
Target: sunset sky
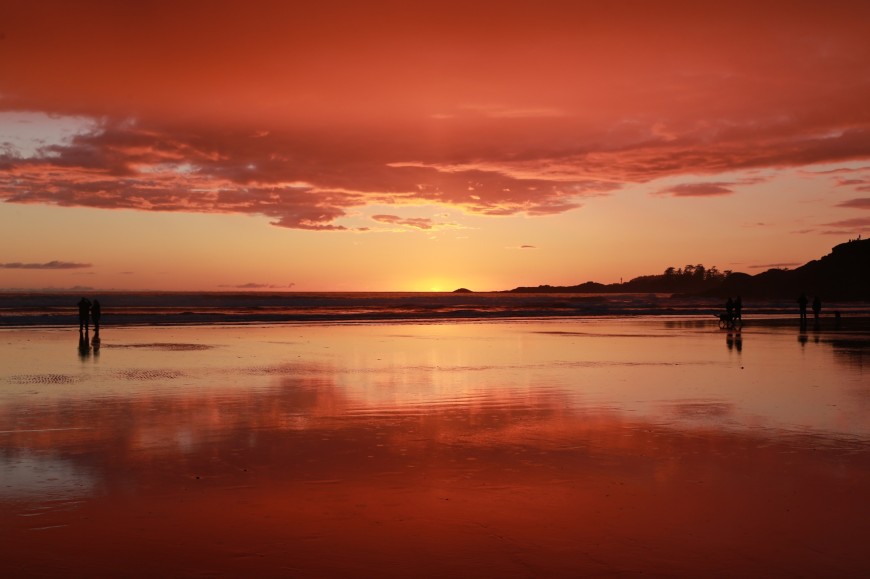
(418,146)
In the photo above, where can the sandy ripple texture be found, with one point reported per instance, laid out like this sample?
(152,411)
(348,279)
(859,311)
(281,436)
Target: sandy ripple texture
(44,379)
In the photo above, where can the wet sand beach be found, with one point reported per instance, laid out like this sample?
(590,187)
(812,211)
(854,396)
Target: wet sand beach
(661,447)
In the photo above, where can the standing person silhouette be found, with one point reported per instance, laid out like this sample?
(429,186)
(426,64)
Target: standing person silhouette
(95,315)
(729,309)
(738,308)
(817,308)
(84,313)
(802,303)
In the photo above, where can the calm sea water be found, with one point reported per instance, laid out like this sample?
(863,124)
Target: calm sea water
(150,308)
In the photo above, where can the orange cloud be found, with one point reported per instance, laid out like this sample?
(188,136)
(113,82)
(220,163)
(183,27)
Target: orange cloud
(418,222)
(494,108)
(311,184)
(698,190)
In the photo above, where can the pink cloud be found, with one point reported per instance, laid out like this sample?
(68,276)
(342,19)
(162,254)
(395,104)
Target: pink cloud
(850,182)
(312,183)
(856,223)
(861,203)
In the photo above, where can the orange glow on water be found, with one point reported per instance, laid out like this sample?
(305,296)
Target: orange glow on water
(464,449)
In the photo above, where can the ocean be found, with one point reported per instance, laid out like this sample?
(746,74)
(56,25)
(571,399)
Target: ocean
(191,308)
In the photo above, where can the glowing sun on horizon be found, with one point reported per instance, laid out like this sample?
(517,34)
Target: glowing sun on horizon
(432,285)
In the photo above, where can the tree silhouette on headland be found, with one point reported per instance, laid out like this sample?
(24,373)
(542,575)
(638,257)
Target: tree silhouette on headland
(844,274)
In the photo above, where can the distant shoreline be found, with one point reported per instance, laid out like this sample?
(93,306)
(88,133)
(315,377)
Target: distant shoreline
(855,322)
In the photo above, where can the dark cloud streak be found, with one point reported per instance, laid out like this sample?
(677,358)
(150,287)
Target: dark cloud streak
(698,190)
(860,203)
(51,265)
(255,286)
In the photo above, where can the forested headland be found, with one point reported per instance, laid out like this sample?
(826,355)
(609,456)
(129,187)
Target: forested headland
(843,274)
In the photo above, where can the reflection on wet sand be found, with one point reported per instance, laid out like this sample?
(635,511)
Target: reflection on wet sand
(493,487)
(84,345)
(87,346)
(289,468)
(734,340)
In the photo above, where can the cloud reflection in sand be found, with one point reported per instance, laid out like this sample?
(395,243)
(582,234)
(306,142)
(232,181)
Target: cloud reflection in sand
(490,448)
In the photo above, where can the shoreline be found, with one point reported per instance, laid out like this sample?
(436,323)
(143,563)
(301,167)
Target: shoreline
(855,322)
(133,309)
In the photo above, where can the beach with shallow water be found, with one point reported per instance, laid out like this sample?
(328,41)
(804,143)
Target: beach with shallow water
(615,446)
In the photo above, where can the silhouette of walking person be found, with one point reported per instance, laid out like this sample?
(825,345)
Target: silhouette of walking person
(802,303)
(84,313)
(729,309)
(738,309)
(95,315)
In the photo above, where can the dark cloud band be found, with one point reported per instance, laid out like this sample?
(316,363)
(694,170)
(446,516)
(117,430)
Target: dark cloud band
(48,265)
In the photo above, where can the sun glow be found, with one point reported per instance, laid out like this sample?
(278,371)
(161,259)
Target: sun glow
(433,285)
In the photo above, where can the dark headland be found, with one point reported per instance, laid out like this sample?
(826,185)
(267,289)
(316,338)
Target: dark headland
(843,274)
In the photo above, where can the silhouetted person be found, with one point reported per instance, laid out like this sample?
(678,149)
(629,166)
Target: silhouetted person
(738,309)
(817,308)
(95,316)
(802,304)
(84,313)
(837,320)
(729,309)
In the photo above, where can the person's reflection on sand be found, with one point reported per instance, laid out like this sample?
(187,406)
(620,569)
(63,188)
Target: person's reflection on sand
(96,343)
(84,345)
(734,340)
(802,335)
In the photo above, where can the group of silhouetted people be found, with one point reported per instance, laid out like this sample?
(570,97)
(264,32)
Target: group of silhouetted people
(734,309)
(802,305)
(733,316)
(89,311)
